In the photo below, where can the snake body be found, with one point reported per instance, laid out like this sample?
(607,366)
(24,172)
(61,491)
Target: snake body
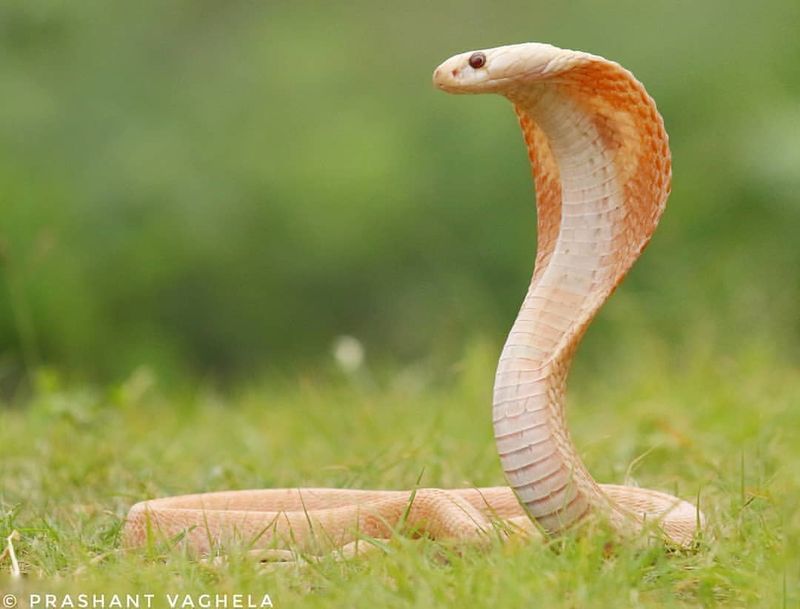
(601,167)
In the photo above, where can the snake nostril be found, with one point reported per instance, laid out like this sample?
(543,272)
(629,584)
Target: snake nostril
(454,72)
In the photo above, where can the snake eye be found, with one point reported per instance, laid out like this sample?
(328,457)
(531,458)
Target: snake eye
(477,60)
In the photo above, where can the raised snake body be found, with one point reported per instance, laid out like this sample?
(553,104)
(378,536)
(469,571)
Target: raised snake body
(601,166)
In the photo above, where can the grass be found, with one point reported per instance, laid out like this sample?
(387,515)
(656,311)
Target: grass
(719,425)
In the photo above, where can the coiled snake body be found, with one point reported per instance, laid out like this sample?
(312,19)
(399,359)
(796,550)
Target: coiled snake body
(601,166)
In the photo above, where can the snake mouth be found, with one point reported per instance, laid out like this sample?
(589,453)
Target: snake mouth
(454,80)
(439,81)
(452,77)
(499,84)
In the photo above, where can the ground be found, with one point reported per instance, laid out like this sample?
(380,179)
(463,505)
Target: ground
(719,427)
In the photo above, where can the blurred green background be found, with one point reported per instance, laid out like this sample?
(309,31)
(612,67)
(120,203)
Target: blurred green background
(218,189)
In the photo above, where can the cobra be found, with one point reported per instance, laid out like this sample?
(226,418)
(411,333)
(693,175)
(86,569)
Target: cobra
(602,172)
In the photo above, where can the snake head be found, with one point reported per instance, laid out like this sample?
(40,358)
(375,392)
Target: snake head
(503,69)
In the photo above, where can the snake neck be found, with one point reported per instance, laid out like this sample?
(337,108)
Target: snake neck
(601,169)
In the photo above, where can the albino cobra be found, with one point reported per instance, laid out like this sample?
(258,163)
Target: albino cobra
(601,167)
